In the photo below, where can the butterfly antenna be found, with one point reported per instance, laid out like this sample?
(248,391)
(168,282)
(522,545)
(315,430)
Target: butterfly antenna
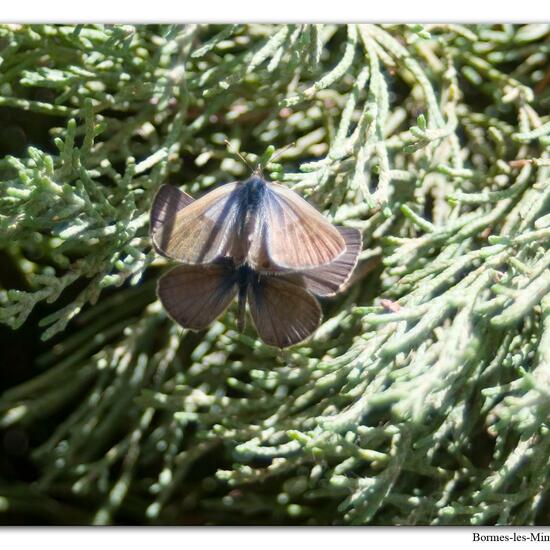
(282,151)
(235,152)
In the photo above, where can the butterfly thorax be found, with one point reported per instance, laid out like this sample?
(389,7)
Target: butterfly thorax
(251,197)
(253,192)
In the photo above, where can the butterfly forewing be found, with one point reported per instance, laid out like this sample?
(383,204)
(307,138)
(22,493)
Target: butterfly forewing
(283,312)
(205,230)
(329,279)
(195,296)
(295,235)
(168,201)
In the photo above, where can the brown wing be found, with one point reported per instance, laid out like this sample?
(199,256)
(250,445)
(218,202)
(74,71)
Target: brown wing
(283,312)
(205,230)
(168,201)
(194,296)
(295,235)
(329,279)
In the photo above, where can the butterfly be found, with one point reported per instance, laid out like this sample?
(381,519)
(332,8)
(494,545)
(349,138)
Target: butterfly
(282,302)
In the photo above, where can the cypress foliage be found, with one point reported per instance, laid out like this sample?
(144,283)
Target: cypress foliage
(424,396)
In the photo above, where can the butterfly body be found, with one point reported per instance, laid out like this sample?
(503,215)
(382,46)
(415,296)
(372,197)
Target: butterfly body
(246,282)
(251,200)
(244,277)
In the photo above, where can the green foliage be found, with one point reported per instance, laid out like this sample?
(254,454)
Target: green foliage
(424,396)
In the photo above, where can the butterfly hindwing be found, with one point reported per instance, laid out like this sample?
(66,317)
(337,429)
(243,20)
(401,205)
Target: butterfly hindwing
(194,296)
(329,279)
(283,312)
